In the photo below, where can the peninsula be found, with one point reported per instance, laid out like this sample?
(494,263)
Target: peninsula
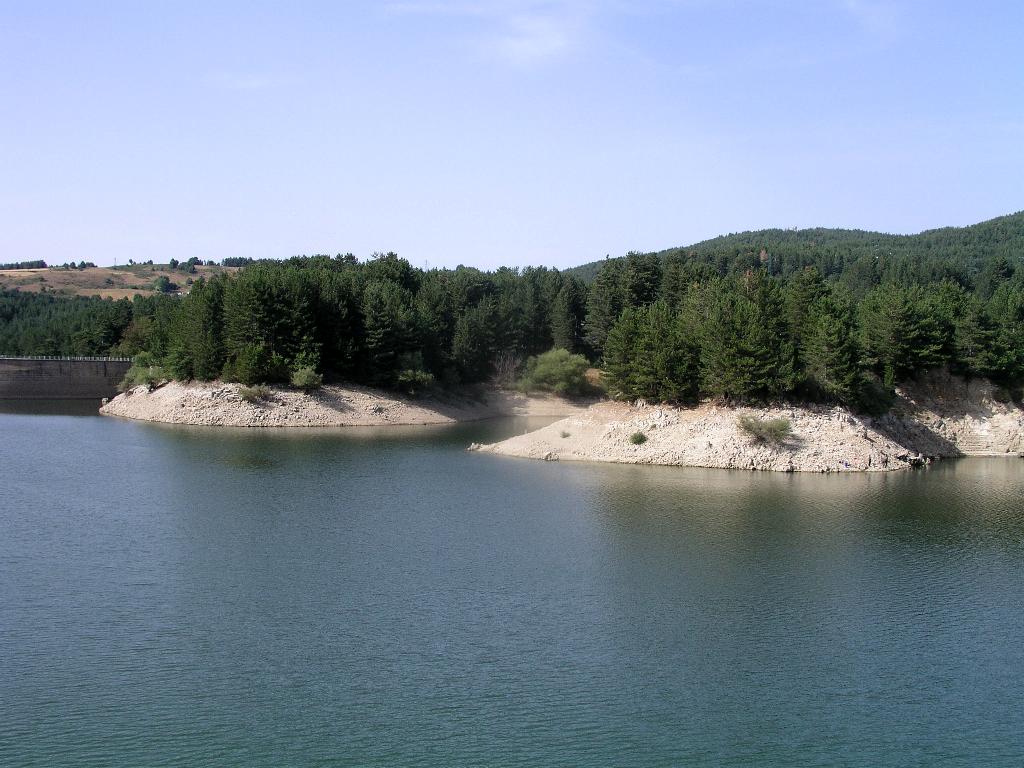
(942,417)
(816,349)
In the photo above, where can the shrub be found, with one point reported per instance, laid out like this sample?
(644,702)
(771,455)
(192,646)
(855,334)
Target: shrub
(253,364)
(638,438)
(143,370)
(765,430)
(306,377)
(564,434)
(163,284)
(413,381)
(255,394)
(558,371)
(412,376)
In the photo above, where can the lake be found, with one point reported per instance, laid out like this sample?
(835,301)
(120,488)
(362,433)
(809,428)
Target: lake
(381,597)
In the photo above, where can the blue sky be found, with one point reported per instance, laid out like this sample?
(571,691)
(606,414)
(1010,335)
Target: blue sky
(507,132)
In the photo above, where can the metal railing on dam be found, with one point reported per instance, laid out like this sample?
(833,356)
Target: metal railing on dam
(72,358)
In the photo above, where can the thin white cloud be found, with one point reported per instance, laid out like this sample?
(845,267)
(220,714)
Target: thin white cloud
(532,39)
(879,17)
(520,33)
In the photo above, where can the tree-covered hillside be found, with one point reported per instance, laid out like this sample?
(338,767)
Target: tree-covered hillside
(816,314)
(857,258)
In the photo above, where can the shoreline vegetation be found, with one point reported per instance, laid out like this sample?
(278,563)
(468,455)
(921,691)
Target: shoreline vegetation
(219,403)
(942,416)
(818,342)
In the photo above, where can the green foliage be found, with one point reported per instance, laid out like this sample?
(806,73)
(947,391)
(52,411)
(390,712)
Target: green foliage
(558,371)
(746,350)
(604,305)
(775,431)
(254,364)
(306,377)
(475,342)
(638,438)
(414,381)
(640,279)
(566,316)
(43,324)
(829,315)
(388,327)
(651,353)
(857,259)
(413,378)
(255,394)
(902,332)
(144,370)
(830,352)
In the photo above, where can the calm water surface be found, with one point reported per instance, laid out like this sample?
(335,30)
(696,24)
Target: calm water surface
(199,597)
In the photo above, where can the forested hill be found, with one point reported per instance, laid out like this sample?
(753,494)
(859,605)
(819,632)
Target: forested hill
(829,315)
(865,258)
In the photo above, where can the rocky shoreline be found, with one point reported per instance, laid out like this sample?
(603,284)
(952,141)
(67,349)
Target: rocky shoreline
(221,404)
(941,417)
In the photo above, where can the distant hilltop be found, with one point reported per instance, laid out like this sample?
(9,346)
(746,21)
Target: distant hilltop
(833,251)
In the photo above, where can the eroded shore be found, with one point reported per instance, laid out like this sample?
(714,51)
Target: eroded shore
(940,417)
(221,404)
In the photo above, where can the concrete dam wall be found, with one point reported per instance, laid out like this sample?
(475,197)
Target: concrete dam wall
(60,378)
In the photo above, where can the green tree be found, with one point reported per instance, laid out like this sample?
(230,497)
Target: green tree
(899,335)
(746,352)
(604,304)
(474,344)
(650,354)
(567,314)
(831,353)
(389,329)
(558,371)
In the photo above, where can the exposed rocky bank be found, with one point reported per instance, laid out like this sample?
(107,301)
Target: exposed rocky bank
(942,416)
(221,404)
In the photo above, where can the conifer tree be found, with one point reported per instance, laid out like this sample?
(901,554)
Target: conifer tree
(566,313)
(604,305)
(831,354)
(474,344)
(388,328)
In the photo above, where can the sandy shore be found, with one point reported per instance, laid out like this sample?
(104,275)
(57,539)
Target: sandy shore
(220,404)
(942,417)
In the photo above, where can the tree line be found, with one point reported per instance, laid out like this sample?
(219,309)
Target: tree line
(664,326)
(755,337)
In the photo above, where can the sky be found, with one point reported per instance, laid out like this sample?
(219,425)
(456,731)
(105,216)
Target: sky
(508,132)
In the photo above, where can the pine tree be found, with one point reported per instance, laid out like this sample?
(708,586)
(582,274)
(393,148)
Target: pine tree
(900,334)
(641,279)
(566,314)
(802,292)
(620,355)
(604,305)
(666,357)
(388,328)
(746,352)
(831,353)
(474,344)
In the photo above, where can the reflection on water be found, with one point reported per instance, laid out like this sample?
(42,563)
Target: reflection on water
(183,596)
(51,407)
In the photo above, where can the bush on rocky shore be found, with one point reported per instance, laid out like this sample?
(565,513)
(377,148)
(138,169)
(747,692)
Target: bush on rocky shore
(765,430)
